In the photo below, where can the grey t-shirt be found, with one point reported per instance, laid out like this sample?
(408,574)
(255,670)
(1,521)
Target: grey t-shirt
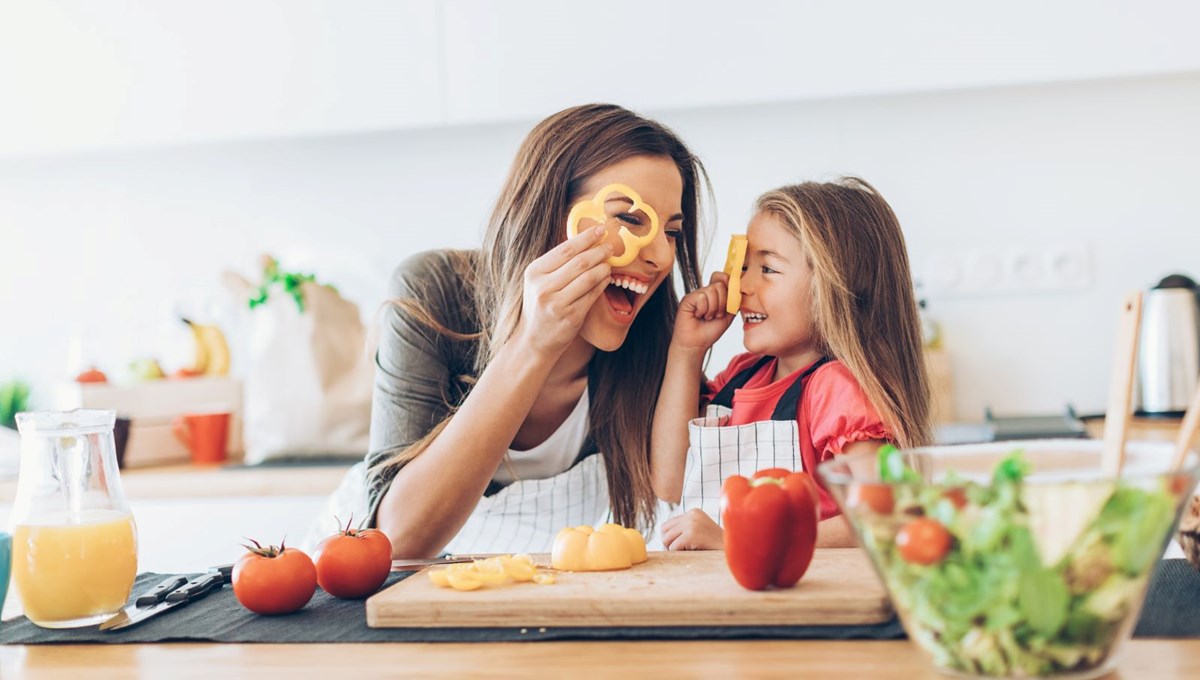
(419,371)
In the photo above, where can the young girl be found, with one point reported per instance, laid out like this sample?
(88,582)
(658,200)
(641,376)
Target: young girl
(834,363)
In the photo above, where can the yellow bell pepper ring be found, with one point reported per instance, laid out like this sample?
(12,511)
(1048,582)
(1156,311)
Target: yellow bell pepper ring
(734,261)
(593,209)
(610,547)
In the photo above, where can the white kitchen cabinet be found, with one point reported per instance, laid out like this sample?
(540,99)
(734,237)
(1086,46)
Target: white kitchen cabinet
(526,58)
(76,74)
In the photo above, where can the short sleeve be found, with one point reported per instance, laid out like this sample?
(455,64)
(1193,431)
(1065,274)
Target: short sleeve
(838,412)
(418,369)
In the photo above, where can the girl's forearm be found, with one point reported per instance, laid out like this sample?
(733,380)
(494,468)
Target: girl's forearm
(677,404)
(432,496)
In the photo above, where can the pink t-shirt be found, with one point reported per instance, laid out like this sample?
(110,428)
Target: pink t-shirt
(833,412)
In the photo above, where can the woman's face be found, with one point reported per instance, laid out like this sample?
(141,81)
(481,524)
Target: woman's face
(657,181)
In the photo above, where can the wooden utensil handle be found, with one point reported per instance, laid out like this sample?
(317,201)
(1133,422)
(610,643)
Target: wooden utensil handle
(1120,395)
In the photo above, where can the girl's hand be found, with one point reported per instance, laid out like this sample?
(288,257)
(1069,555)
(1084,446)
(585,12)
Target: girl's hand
(693,530)
(701,318)
(560,287)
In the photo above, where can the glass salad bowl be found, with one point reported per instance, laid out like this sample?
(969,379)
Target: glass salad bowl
(1014,559)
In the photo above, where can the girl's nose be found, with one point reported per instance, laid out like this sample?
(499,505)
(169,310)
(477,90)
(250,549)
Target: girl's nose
(748,282)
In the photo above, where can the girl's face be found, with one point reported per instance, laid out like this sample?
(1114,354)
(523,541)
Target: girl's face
(657,180)
(776,291)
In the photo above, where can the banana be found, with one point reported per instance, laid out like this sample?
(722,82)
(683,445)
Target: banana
(218,350)
(212,351)
(200,359)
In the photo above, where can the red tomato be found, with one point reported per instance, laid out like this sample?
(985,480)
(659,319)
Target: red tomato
(274,580)
(878,497)
(353,563)
(957,496)
(923,541)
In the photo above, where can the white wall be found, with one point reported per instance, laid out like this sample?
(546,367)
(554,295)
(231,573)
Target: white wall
(106,244)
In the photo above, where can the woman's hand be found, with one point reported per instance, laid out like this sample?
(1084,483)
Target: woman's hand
(693,530)
(702,319)
(560,287)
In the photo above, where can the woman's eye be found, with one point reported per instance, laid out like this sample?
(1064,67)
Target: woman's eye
(629,219)
(673,233)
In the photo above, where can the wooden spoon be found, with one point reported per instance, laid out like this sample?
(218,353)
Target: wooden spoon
(1120,390)
(1187,431)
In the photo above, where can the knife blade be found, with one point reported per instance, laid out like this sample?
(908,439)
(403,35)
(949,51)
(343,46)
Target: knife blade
(419,564)
(147,599)
(172,593)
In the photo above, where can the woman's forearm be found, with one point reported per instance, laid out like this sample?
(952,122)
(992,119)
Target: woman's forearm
(677,404)
(432,496)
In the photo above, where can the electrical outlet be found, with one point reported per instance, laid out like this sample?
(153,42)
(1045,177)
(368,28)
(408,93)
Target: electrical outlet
(1007,270)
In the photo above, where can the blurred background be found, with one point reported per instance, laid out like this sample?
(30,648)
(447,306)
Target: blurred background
(1042,157)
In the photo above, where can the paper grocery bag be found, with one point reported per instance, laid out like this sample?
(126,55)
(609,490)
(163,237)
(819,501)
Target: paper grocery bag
(308,377)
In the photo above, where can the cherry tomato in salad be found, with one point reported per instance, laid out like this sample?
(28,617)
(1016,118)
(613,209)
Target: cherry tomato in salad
(877,497)
(923,541)
(274,580)
(957,496)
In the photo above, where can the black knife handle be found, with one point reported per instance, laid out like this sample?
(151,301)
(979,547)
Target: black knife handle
(198,587)
(159,592)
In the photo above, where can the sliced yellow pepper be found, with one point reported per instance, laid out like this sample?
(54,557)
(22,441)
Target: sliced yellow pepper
(593,209)
(610,547)
(734,262)
(489,572)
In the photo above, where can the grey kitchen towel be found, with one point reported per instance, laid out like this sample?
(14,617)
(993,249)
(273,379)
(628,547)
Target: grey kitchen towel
(1172,610)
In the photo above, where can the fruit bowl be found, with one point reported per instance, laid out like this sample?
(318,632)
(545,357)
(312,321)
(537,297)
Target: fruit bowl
(1014,559)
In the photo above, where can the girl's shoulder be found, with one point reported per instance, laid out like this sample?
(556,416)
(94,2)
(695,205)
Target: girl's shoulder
(834,391)
(736,365)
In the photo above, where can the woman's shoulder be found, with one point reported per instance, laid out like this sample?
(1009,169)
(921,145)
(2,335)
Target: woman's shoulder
(443,268)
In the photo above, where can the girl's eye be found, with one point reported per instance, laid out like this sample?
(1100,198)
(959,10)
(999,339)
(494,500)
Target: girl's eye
(745,269)
(768,270)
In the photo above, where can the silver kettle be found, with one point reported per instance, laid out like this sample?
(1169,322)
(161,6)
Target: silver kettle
(1169,351)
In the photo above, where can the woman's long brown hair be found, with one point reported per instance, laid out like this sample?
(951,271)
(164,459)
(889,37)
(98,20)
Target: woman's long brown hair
(553,164)
(864,308)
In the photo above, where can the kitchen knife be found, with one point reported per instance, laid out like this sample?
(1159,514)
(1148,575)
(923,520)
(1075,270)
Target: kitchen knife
(171,594)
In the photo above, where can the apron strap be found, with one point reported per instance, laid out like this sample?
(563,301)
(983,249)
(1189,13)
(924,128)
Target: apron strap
(725,396)
(789,403)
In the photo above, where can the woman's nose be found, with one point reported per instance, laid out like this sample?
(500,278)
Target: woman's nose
(660,252)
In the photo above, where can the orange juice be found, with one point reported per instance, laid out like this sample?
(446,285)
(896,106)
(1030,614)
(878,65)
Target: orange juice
(70,571)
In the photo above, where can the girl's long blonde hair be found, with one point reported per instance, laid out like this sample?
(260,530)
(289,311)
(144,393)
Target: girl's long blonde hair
(548,175)
(864,309)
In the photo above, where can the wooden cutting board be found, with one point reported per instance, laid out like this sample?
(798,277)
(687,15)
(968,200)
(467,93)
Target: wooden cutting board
(669,589)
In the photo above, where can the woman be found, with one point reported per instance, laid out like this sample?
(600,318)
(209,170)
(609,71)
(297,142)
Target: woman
(515,385)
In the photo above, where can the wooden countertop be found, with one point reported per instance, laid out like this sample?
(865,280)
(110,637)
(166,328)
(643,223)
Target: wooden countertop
(192,481)
(1159,659)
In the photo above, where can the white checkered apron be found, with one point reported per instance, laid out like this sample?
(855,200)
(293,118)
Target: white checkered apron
(717,450)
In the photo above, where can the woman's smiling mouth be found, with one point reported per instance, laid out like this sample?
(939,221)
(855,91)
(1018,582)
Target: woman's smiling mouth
(622,295)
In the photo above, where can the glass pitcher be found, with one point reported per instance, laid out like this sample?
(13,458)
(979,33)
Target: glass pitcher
(74,540)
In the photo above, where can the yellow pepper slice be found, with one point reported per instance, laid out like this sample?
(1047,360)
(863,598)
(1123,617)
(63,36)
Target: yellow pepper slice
(734,262)
(593,209)
(612,546)
(489,572)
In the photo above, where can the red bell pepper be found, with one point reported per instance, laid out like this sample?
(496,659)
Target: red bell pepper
(770,527)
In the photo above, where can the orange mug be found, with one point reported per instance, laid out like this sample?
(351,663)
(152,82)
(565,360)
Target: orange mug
(206,435)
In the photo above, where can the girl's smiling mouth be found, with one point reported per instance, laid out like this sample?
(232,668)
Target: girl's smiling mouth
(752,318)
